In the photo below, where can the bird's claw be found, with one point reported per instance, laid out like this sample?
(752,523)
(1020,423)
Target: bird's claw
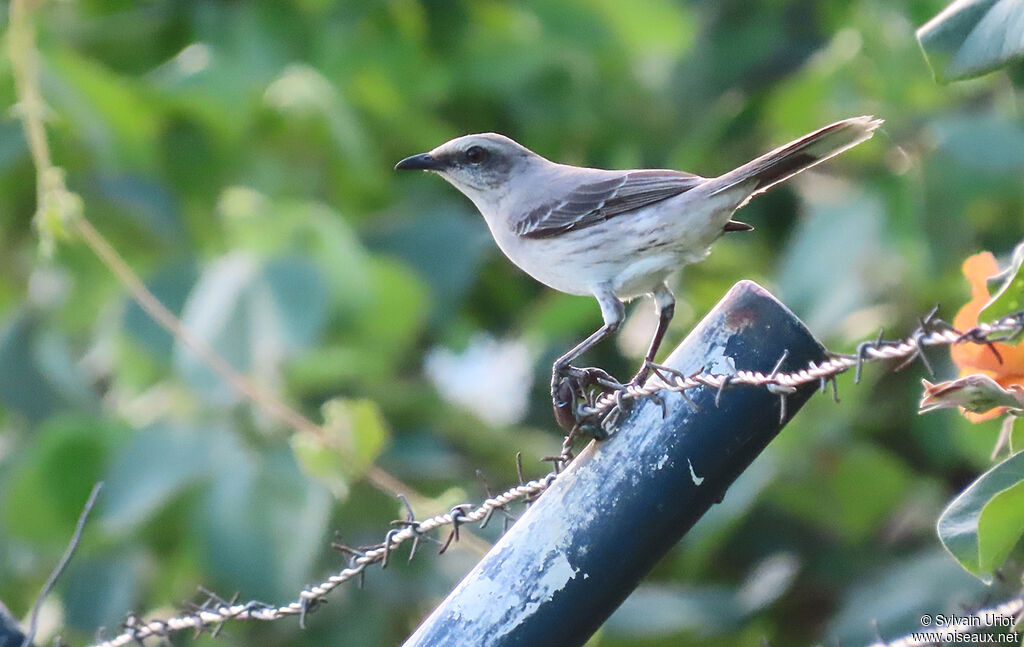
(563,399)
(571,384)
(583,378)
(593,376)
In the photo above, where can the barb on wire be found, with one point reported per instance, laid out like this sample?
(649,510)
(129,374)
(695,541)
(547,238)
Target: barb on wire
(983,619)
(215,611)
(604,410)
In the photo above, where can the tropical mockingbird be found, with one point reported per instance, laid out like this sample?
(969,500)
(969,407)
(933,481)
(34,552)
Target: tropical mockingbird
(615,235)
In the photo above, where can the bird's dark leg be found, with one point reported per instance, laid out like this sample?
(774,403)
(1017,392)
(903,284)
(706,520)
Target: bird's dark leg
(613,312)
(665,303)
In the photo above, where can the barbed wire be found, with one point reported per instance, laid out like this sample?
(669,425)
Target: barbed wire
(983,619)
(604,408)
(214,610)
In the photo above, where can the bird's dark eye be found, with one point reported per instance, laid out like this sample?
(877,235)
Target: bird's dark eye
(475,154)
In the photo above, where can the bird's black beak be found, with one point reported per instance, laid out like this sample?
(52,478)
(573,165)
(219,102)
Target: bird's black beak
(421,162)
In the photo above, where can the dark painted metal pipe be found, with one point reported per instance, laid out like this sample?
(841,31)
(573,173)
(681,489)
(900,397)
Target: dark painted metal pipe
(10,632)
(582,547)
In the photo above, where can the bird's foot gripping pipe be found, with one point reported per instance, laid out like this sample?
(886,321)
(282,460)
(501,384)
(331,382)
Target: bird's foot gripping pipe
(572,386)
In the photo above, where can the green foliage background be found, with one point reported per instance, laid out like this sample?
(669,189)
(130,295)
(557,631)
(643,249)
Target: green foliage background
(239,155)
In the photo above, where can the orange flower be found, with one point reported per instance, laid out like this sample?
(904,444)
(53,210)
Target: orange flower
(979,358)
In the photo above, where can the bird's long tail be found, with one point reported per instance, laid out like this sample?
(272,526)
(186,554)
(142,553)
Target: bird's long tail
(786,161)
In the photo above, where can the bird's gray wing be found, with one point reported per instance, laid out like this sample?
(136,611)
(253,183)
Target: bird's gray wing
(597,201)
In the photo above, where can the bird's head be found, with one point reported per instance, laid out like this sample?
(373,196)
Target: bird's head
(480,166)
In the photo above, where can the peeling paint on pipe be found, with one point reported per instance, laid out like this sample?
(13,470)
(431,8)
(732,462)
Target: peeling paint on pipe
(584,545)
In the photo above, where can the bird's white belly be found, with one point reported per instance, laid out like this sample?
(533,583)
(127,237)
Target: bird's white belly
(633,252)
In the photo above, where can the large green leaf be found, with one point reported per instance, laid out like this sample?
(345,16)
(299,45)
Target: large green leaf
(983,524)
(1010,296)
(972,37)
(842,500)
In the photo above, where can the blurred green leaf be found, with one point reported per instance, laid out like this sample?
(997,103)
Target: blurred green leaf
(982,525)
(839,498)
(108,111)
(972,37)
(354,435)
(1010,296)
(159,463)
(389,324)
(866,503)
(40,377)
(989,143)
(43,497)
(658,610)
(310,230)
(1016,439)
(262,524)
(445,245)
(330,367)
(302,92)
(218,77)
(253,314)
(826,276)
(890,599)
(146,202)
(100,588)
(171,286)
(649,29)
(557,315)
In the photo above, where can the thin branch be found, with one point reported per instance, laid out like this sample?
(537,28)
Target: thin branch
(76,538)
(25,67)
(152,306)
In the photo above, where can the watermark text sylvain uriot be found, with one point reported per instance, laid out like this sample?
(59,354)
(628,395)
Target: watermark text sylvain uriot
(950,628)
(953,621)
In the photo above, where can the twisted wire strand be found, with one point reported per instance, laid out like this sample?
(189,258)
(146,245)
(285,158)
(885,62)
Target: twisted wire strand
(932,333)
(216,611)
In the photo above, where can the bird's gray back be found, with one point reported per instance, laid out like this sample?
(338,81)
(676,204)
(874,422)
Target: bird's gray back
(585,197)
